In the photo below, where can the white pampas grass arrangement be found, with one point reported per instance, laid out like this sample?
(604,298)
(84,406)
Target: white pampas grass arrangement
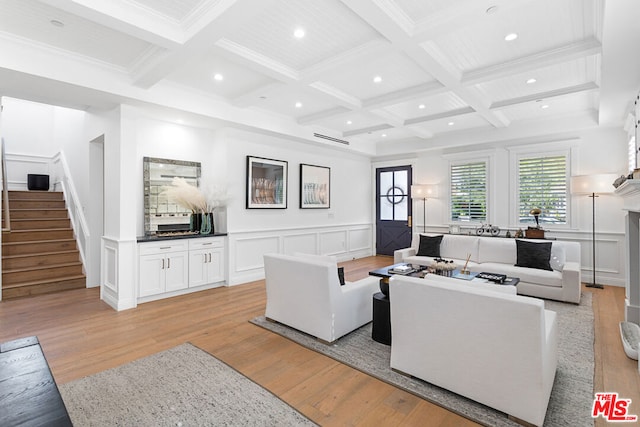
(195,199)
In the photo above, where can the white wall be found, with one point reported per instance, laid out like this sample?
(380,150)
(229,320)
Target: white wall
(596,151)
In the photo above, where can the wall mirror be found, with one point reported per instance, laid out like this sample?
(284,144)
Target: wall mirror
(161,215)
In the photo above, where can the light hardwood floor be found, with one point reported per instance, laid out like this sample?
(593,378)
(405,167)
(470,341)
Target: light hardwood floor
(81,335)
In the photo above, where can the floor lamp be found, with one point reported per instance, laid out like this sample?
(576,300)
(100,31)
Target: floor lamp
(593,185)
(424,192)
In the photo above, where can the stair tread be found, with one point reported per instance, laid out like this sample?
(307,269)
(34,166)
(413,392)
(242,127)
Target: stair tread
(33,242)
(38,254)
(43,267)
(43,281)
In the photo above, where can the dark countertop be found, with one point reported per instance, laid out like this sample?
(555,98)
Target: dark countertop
(158,238)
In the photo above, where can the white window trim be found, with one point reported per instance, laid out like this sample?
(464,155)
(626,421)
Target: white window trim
(486,156)
(517,153)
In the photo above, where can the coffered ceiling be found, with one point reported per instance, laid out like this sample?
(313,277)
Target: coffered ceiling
(383,75)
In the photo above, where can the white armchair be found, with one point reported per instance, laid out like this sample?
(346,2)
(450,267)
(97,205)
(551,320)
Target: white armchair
(303,292)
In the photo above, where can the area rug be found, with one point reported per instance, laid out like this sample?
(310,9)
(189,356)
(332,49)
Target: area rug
(183,386)
(571,398)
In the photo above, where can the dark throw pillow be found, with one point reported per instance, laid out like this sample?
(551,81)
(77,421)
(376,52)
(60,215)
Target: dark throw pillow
(533,255)
(341,275)
(429,246)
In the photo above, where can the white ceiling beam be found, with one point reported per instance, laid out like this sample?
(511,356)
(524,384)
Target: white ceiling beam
(344,99)
(438,116)
(413,92)
(321,115)
(388,27)
(536,61)
(369,129)
(545,95)
(249,98)
(200,43)
(389,117)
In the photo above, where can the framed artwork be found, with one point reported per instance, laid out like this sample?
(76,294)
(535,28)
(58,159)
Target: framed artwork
(315,187)
(266,183)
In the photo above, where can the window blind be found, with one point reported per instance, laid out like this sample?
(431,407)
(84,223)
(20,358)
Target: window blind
(469,192)
(543,185)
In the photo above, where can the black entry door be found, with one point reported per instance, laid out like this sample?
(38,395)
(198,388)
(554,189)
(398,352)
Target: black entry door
(393,209)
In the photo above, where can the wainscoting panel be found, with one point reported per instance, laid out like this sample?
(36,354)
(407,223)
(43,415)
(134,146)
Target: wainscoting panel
(333,242)
(246,248)
(304,243)
(20,165)
(119,273)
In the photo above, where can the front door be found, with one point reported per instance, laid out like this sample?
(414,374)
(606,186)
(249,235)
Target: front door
(393,207)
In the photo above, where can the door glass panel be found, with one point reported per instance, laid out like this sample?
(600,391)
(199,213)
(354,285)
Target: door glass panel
(400,178)
(401,210)
(386,209)
(386,182)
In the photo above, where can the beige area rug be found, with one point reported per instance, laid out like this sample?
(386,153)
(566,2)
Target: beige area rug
(183,386)
(571,397)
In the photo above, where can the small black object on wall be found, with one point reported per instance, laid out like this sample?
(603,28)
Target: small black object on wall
(38,182)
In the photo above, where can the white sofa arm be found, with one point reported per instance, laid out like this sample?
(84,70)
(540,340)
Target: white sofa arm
(401,254)
(571,282)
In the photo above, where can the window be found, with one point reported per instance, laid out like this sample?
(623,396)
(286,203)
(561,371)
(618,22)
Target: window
(469,191)
(543,185)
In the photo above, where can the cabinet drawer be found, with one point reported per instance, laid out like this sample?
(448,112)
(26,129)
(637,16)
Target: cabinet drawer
(206,243)
(163,247)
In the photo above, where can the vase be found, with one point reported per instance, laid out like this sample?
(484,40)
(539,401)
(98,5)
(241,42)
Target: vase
(195,222)
(206,226)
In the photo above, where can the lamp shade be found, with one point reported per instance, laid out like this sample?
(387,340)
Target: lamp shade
(424,191)
(588,184)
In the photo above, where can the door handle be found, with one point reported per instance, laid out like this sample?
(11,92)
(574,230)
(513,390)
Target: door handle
(209,256)
(163,263)
(168,262)
(409,221)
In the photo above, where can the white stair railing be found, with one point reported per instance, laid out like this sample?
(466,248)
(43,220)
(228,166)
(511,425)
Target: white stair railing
(5,191)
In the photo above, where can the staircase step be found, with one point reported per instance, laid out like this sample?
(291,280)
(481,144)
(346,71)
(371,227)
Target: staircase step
(40,224)
(37,235)
(48,195)
(38,213)
(37,247)
(39,260)
(40,287)
(49,272)
(36,204)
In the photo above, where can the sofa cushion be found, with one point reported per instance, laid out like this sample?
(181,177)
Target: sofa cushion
(529,275)
(558,256)
(533,254)
(496,249)
(459,247)
(429,246)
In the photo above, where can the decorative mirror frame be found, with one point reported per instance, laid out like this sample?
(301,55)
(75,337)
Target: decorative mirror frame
(181,217)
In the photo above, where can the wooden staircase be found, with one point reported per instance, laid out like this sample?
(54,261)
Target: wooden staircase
(39,254)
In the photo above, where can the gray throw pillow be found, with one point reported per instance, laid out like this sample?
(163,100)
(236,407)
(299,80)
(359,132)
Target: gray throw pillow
(533,254)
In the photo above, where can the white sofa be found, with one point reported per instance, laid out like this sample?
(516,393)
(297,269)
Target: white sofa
(304,292)
(494,348)
(499,255)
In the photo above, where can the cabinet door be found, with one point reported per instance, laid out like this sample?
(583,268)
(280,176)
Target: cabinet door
(198,260)
(176,271)
(215,266)
(152,275)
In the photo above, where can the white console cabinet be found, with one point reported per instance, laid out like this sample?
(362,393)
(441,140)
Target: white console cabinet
(173,267)
(206,261)
(163,267)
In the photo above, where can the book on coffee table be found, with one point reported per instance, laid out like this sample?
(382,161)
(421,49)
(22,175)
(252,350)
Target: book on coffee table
(402,269)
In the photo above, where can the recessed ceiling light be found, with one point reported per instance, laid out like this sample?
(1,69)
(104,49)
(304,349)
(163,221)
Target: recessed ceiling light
(511,37)
(531,81)
(377,79)
(57,23)
(492,9)
(451,123)
(349,122)
(298,104)
(218,77)
(384,135)
(421,106)
(544,106)
(299,33)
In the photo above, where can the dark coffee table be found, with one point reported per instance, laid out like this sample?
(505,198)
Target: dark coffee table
(384,275)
